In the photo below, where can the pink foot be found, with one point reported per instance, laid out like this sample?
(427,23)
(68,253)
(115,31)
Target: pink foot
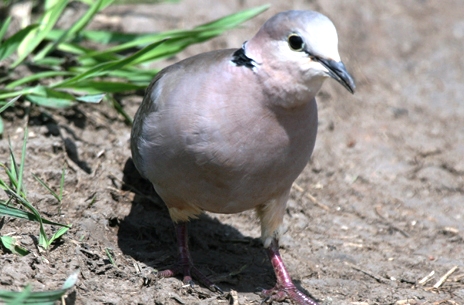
(185,265)
(284,288)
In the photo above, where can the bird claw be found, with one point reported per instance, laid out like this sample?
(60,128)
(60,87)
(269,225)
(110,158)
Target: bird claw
(266,300)
(286,293)
(188,273)
(191,283)
(215,288)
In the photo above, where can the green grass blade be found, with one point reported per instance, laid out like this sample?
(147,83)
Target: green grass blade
(29,90)
(52,98)
(71,280)
(138,76)
(3,184)
(63,174)
(19,188)
(13,171)
(93,98)
(16,298)
(20,194)
(35,77)
(11,44)
(234,20)
(106,67)
(10,211)
(54,194)
(3,108)
(184,38)
(106,37)
(51,61)
(42,235)
(81,51)
(95,87)
(40,297)
(4,28)
(35,37)
(48,4)
(73,48)
(58,234)
(11,102)
(75,28)
(50,102)
(110,256)
(11,244)
(122,112)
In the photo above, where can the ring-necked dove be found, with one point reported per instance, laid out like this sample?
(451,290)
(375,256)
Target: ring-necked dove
(230,130)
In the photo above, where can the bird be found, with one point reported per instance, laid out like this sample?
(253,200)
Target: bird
(230,130)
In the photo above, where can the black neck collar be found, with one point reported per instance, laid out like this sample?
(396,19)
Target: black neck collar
(240,59)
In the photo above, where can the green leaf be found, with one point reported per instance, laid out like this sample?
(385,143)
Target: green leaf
(95,87)
(29,90)
(234,20)
(10,211)
(93,99)
(11,244)
(180,39)
(17,298)
(106,67)
(105,37)
(19,194)
(110,256)
(35,37)
(3,108)
(11,102)
(11,44)
(45,185)
(37,76)
(19,187)
(50,102)
(142,77)
(71,280)
(52,98)
(122,112)
(4,28)
(58,234)
(49,4)
(51,61)
(28,205)
(40,297)
(63,173)
(75,28)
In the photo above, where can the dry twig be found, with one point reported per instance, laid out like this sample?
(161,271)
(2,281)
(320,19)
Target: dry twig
(310,197)
(445,277)
(375,277)
(427,278)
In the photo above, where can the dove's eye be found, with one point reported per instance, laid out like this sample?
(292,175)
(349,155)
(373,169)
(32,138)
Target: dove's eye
(295,42)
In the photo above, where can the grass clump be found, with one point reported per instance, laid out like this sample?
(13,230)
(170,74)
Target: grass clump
(71,71)
(16,193)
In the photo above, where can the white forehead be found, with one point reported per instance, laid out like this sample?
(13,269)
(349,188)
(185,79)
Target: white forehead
(317,31)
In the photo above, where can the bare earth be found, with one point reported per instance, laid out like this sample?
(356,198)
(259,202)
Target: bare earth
(379,207)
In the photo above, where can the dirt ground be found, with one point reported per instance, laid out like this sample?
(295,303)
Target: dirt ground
(379,207)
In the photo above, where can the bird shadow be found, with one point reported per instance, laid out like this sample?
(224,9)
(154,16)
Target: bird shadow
(227,257)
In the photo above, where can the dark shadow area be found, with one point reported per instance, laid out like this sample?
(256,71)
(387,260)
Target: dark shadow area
(74,116)
(73,154)
(221,252)
(71,298)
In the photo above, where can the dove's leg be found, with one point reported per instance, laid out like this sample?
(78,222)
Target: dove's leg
(284,288)
(185,264)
